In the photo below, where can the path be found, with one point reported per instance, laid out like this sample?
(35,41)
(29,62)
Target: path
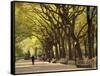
(25,66)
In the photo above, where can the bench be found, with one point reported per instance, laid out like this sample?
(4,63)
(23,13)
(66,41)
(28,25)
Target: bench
(84,64)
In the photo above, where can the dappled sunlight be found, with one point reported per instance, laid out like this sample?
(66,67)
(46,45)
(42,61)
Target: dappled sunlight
(55,37)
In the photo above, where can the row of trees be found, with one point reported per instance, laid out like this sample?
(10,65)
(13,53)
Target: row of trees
(63,30)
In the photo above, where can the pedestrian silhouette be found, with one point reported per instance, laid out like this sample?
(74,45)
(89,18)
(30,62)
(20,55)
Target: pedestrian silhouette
(33,60)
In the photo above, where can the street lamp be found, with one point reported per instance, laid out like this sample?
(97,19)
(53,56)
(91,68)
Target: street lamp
(75,50)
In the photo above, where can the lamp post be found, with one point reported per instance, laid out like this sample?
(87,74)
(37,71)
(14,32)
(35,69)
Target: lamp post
(75,51)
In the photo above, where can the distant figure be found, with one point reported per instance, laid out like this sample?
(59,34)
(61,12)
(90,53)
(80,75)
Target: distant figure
(33,60)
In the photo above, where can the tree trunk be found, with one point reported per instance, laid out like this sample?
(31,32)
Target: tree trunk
(85,48)
(69,45)
(56,50)
(63,48)
(77,46)
(89,33)
(92,41)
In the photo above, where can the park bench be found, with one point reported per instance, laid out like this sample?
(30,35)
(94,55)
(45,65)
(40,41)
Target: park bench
(63,61)
(84,64)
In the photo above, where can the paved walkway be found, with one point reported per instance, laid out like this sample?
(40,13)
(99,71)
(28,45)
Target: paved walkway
(25,66)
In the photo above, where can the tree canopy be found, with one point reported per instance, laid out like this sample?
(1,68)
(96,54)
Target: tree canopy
(62,30)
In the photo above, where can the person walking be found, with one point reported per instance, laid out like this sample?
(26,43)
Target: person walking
(32,60)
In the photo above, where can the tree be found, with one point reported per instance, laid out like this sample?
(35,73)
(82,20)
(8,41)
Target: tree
(61,29)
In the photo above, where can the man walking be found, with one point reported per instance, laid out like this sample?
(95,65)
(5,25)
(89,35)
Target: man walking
(32,60)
